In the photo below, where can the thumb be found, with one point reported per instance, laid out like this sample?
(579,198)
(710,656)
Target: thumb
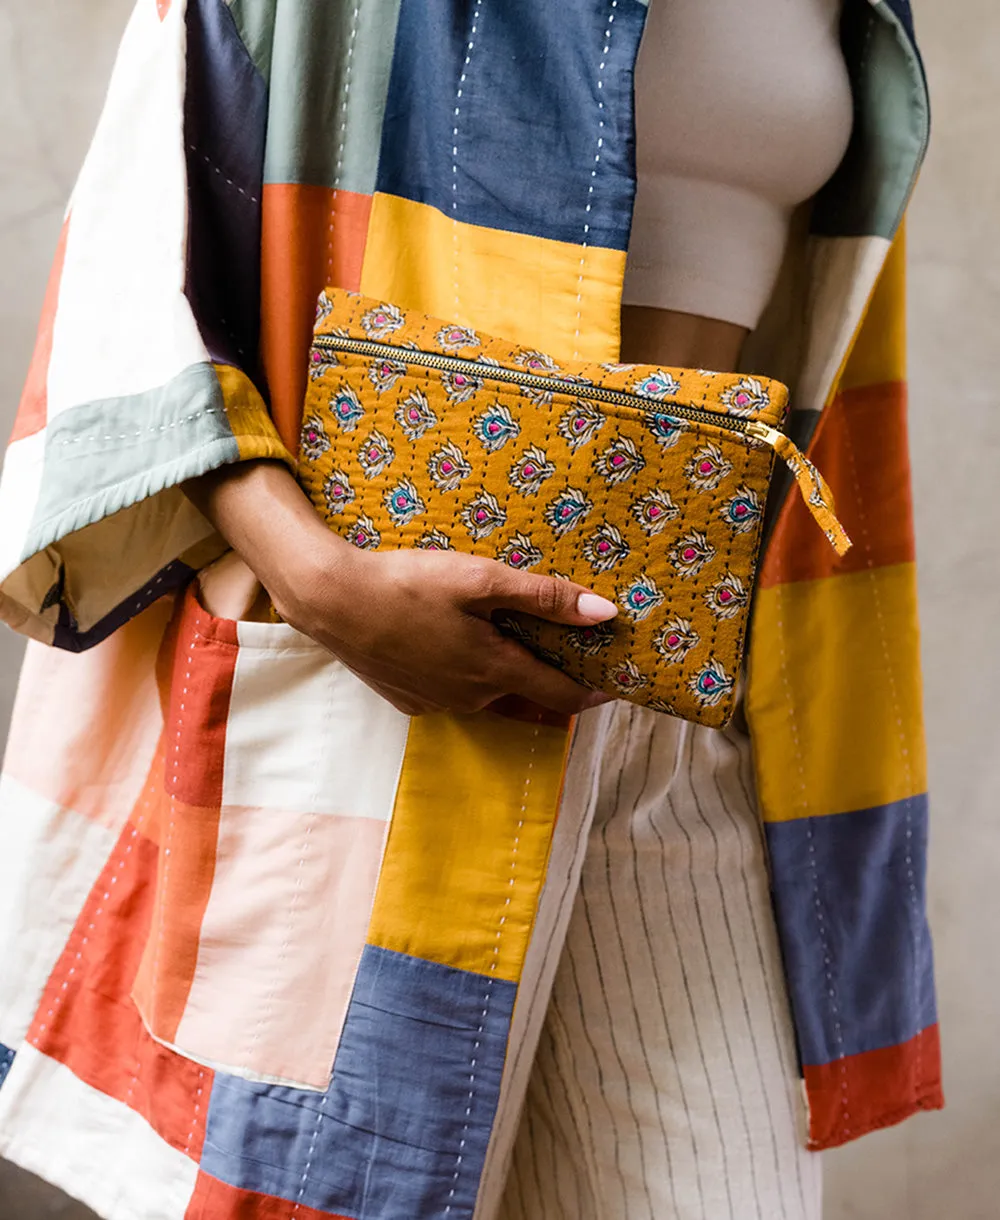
(548,597)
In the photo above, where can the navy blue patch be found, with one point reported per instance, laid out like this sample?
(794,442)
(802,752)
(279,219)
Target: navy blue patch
(516,116)
(69,637)
(6,1062)
(225,123)
(849,892)
(403,1128)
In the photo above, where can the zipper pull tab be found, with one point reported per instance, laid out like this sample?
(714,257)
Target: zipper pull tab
(814,488)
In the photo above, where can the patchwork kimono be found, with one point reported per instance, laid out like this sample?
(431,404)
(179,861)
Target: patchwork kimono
(262,935)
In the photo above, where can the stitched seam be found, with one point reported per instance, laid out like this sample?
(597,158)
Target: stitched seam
(480,1032)
(225,177)
(127,436)
(593,177)
(469,47)
(838,1032)
(865,540)
(341,142)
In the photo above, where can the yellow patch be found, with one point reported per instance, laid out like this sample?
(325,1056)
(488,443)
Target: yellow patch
(554,295)
(879,352)
(822,647)
(249,418)
(469,842)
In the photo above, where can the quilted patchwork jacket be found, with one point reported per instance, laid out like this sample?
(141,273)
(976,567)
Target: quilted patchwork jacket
(191,1026)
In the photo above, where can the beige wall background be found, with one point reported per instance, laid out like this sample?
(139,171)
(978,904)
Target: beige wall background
(55,56)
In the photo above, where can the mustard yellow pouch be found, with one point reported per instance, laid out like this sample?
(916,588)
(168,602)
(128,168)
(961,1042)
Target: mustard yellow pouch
(644,484)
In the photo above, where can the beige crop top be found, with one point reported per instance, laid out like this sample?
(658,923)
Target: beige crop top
(743,111)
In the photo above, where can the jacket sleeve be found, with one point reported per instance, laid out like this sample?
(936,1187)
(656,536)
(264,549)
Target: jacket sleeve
(145,372)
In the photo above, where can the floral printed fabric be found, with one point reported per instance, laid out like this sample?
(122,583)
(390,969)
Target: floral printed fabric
(659,514)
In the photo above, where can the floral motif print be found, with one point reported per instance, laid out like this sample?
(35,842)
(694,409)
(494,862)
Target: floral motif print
(434,540)
(364,535)
(666,429)
(611,367)
(383,374)
(660,384)
(337,492)
(324,307)
(742,510)
(530,471)
(482,515)
(727,597)
(690,553)
(592,639)
(320,361)
(315,441)
(707,467)
(676,639)
(627,678)
(448,467)
(641,597)
(414,415)
(536,362)
(454,338)
(403,502)
(711,684)
(346,407)
(520,553)
(747,397)
(567,510)
(495,427)
(380,322)
(375,454)
(460,387)
(620,461)
(580,424)
(654,510)
(605,547)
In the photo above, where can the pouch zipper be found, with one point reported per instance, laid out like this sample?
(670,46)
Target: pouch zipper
(558,385)
(815,492)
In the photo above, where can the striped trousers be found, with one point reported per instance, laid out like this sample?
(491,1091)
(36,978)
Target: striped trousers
(652,1072)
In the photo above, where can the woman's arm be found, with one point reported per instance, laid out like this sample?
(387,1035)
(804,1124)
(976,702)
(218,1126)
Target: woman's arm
(415,625)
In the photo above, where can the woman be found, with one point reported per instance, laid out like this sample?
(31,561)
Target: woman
(231,923)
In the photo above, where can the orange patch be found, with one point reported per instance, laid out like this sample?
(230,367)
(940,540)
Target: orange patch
(861,448)
(215,1200)
(163,7)
(87,1021)
(32,414)
(183,801)
(312,236)
(852,1096)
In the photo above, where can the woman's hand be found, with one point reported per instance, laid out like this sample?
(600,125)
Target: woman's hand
(414,625)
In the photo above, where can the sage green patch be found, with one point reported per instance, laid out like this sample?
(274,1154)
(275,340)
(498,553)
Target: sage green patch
(872,186)
(104,456)
(324,112)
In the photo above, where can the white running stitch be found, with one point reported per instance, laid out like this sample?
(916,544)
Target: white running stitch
(454,153)
(493,969)
(235,185)
(593,178)
(128,436)
(838,1032)
(341,141)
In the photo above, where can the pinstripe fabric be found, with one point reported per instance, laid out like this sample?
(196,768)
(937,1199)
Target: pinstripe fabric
(664,1082)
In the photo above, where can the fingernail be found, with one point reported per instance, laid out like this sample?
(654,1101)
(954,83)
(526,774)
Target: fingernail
(589,605)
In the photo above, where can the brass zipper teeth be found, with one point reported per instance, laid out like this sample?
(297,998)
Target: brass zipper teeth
(497,372)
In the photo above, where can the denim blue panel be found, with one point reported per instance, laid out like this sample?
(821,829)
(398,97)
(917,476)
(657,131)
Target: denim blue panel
(849,898)
(6,1062)
(402,1131)
(225,123)
(516,116)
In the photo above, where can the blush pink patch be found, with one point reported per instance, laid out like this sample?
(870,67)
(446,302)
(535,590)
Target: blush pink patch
(280,943)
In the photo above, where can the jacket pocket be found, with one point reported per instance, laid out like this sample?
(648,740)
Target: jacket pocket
(279,779)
